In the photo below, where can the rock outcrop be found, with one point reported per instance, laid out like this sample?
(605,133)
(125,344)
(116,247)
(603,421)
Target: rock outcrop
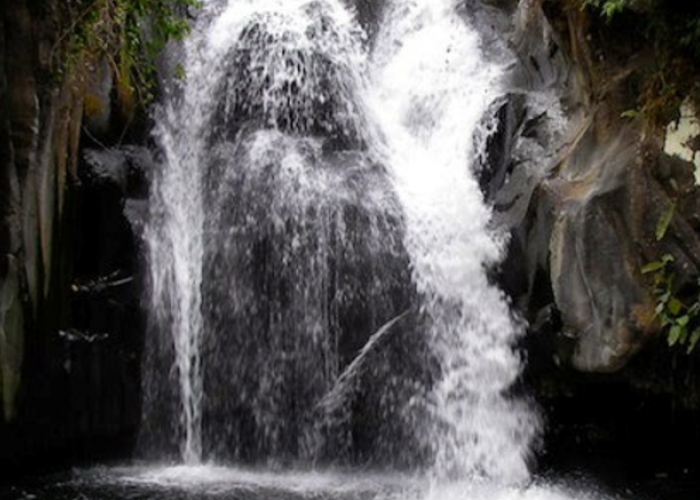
(580,177)
(583,185)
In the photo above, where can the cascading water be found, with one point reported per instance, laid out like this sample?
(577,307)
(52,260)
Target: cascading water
(174,249)
(319,251)
(433,88)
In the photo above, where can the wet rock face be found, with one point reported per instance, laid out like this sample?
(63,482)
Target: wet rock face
(594,268)
(563,182)
(66,365)
(583,193)
(18,124)
(583,217)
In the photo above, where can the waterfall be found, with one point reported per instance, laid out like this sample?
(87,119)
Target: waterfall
(319,248)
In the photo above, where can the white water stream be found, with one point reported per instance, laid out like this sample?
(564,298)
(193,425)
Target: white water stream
(432,88)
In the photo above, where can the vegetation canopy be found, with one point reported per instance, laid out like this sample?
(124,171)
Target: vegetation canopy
(670,30)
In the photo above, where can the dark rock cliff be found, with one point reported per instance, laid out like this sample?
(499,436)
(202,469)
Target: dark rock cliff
(68,341)
(583,198)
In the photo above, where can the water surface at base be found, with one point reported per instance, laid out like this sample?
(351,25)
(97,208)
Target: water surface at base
(203,482)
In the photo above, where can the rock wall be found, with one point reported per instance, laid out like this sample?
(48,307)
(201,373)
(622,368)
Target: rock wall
(66,368)
(582,194)
(582,182)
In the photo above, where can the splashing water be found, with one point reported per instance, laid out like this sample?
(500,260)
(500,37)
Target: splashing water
(196,482)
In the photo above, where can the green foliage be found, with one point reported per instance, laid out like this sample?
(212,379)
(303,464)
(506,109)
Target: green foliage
(608,8)
(672,31)
(631,114)
(146,27)
(129,34)
(77,38)
(680,319)
(671,25)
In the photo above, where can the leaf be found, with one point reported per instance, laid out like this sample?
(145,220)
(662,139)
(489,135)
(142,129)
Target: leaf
(673,335)
(631,114)
(694,338)
(667,320)
(654,266)
(683,320)
(694,309)
(674,306)
(667,258)
(665,221)
(612,7)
